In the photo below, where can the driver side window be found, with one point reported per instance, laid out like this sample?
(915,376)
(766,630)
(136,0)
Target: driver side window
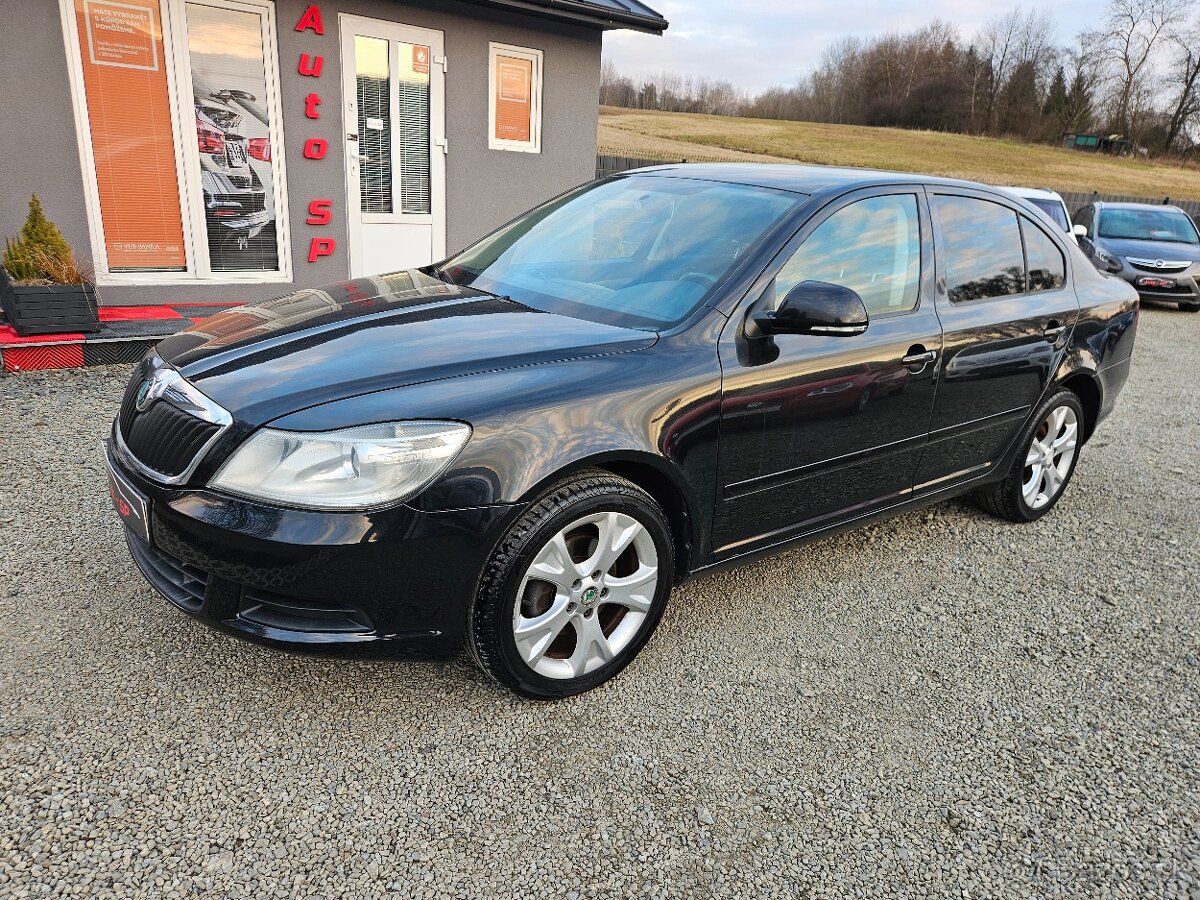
(871,246)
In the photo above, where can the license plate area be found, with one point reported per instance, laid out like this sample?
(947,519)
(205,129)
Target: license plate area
(131,505)
(235,155)
(1162,284)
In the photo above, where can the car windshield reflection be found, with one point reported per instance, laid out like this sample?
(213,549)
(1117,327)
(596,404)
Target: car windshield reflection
(641,251)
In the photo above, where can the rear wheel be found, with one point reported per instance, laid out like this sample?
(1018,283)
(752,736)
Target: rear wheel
(575,589)
(1190,307)
(1043,467)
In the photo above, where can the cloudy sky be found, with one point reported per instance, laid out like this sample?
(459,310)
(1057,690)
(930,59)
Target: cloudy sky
(762,42)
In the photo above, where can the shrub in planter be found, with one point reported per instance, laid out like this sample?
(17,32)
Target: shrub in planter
(43,288)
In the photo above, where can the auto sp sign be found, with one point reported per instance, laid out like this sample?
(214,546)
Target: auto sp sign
(311,65)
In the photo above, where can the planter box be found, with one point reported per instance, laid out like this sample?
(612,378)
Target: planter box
(48,309)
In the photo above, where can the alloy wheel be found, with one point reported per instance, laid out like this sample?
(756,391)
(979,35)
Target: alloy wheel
(1049,458)
(586,595)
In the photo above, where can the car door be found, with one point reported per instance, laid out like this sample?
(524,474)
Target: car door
(815,428)
(1006,310)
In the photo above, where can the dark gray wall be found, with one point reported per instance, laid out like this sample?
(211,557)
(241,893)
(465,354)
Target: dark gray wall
(484,188)
(38,150)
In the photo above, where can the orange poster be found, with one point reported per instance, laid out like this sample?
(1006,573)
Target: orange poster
(420,59)
(132,140)
(514,98)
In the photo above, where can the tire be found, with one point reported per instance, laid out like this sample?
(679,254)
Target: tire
(1017,498)
(574,638)
(1190,307)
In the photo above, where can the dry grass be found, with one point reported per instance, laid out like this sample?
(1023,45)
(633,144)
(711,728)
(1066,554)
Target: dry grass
(709,138)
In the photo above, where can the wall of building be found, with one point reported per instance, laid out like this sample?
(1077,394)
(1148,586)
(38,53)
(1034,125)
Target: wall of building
(484,188)
(37,132)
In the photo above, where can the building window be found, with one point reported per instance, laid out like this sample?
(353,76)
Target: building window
(515,105)
(177,103)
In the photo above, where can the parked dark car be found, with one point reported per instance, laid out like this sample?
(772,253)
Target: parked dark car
(235,199)
(1154,248)
(653,376)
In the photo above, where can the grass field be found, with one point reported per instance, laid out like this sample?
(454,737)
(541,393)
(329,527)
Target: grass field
(660,135)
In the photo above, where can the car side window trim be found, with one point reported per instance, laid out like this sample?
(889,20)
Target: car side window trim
(1024,222)
(835,205)
(943,291)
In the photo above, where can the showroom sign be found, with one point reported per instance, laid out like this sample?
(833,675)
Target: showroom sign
(320,211)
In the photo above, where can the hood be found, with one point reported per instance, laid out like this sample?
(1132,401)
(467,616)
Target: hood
(371,334)
(1151,249)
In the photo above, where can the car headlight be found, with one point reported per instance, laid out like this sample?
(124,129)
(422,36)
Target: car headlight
(1110,262)
(353,468)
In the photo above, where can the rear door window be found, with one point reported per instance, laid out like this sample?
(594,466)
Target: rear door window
(981,248)
(1045,262)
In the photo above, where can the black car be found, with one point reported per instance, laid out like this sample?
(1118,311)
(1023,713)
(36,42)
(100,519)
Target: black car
(1154,248)
(650,377)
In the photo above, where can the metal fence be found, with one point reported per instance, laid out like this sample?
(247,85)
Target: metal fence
(611,165)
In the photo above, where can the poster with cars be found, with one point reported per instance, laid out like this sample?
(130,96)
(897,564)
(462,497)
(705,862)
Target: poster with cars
(233,135)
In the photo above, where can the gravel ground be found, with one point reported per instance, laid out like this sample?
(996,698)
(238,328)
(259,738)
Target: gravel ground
(943,705)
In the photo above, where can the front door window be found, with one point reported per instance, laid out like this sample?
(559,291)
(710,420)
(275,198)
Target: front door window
(872,247)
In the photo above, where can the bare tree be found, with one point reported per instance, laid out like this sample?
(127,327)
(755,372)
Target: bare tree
(1133,30)
(1184,78)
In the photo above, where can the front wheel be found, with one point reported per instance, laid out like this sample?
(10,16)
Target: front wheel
(1048,452)
(574,590)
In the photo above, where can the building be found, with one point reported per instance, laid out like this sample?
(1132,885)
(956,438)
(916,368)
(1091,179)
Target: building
(216,150)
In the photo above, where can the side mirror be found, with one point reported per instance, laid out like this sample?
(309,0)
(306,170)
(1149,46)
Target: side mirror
(812,307)
(1079,230)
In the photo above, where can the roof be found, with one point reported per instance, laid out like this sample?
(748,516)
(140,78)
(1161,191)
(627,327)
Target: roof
(1114,204)
(802,179)
(1027,192)
(603,14)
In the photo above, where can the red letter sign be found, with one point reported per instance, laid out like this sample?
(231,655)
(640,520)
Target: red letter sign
(311,19)
(311,65)
(319,212)
(311,102)
(320,247)
(316,148)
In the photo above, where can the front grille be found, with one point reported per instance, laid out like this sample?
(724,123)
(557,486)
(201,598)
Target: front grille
(180,583)
(1151,265)
(165,438)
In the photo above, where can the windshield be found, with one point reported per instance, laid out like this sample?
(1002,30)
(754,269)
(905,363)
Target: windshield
(642,251)
(1053,209)
(1147,225)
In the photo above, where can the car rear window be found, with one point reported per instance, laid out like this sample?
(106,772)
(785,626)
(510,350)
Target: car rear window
(1054,209)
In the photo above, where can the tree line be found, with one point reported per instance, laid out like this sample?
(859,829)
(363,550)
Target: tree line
(1136,74)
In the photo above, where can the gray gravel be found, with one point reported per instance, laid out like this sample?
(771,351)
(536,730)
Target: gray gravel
(943,705)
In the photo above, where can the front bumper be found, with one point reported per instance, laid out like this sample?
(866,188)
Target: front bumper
(1186,288)
(391,583)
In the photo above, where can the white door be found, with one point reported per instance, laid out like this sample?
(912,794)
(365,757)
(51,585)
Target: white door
(394,111)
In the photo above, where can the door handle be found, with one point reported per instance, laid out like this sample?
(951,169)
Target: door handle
(919,358)
(1053,331)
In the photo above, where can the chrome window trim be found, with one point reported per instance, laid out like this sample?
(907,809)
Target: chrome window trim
(1162,264)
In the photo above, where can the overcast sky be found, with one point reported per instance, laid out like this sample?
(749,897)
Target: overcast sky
(759,43)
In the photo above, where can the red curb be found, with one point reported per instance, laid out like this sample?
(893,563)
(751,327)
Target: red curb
(56,356)
(9,336)
(137,313)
